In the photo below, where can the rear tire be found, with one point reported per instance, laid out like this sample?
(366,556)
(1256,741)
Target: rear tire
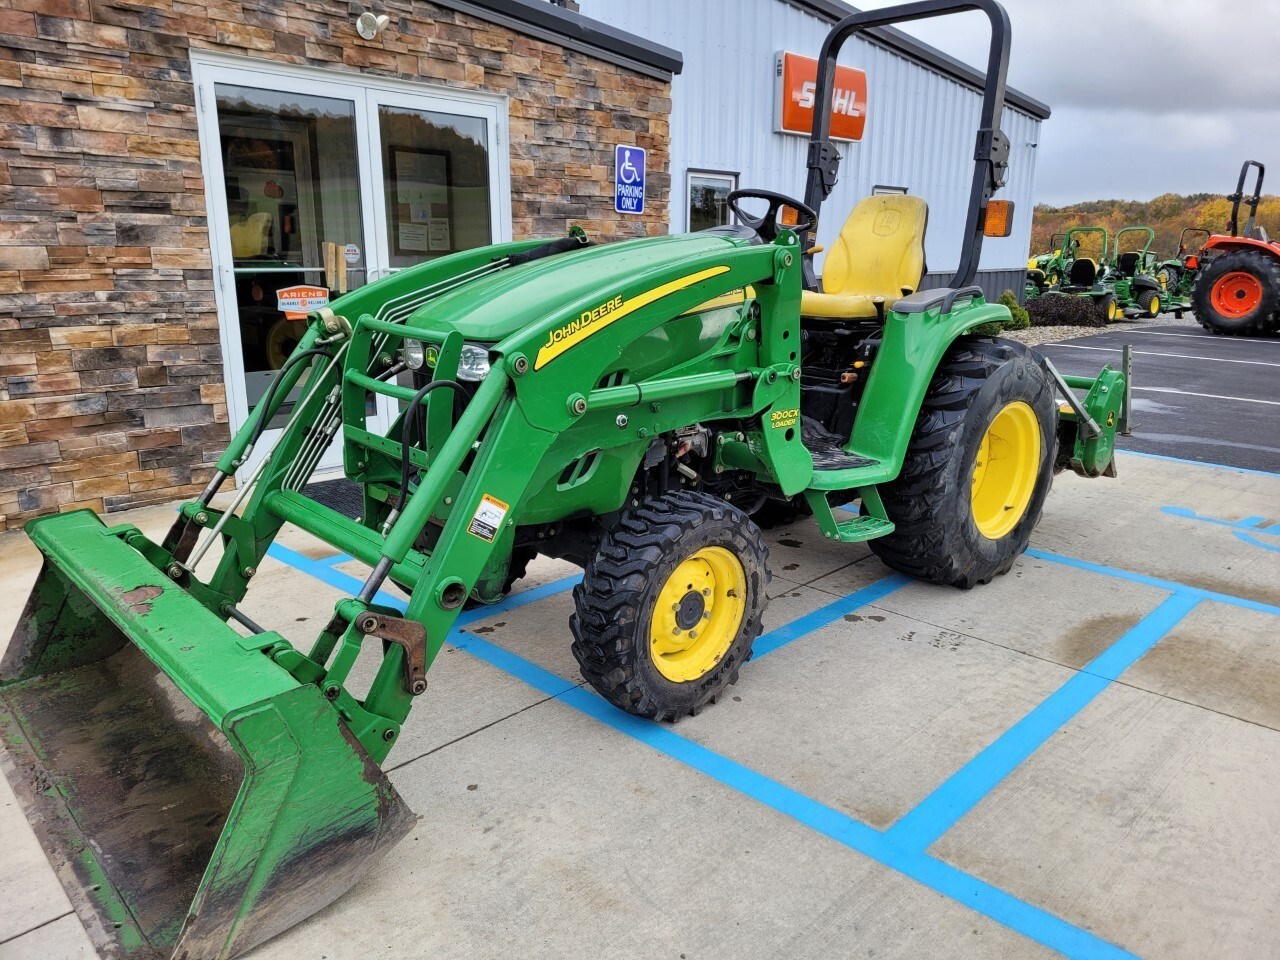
(1149,302)
(675,567)
(1238,294)
(932,503)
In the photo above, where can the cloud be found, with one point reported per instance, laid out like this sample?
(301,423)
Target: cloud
(1149,96)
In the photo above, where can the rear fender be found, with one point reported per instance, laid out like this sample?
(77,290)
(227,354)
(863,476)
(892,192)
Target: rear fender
(917,334)
(1224,244)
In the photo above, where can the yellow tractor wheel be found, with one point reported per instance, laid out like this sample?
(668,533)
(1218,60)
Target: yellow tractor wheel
(670,605)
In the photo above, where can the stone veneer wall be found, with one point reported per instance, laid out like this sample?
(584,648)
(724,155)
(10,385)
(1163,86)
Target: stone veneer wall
(111,378)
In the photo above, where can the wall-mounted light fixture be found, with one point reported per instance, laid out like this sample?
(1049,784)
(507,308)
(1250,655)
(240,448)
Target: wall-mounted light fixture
(370,25)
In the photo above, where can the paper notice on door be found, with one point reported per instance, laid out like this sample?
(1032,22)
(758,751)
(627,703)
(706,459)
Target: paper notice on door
(415,236)
(487,520)
(438,234)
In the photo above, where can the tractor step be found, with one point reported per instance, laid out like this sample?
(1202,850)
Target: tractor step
(854,529)
(858,529)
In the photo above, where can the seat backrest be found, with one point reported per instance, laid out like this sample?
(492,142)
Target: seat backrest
(880,250)
(1084,272)
(1128,264)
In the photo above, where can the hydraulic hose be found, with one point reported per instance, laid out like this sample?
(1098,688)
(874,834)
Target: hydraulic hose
(412,415)
(269,397)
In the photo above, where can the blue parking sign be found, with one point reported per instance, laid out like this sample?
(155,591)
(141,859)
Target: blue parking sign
(628,179)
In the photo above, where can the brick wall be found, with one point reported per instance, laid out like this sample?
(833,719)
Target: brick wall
(111,378)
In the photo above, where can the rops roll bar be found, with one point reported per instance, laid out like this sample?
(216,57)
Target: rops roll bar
(991,152)
(1236,198)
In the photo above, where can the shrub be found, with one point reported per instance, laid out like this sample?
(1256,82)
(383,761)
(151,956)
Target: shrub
(1065,311)
(1019,319)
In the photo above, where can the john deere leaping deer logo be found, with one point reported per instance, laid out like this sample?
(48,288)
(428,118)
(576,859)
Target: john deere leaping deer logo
(887,223)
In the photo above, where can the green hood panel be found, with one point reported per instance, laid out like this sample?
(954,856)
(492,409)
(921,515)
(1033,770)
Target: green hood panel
(493,308)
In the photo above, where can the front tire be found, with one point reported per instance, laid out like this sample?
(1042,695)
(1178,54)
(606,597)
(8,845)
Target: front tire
(978,467)
(1109,307)
(1238,294)
(1149,303)
(670,605)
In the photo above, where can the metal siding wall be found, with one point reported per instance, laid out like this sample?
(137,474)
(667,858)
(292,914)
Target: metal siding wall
(920,129)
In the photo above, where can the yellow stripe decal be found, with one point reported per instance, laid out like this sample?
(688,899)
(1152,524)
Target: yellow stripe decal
(593,321)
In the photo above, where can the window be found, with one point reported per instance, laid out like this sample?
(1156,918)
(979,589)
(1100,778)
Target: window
(708,193)
(881,190)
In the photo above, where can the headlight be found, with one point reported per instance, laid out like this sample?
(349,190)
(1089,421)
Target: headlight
(473,365)
(414,354)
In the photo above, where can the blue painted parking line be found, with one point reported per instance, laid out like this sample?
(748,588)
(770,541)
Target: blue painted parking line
(1200,463)
(823,616)
(323,571)
(1171,585)
(966,788)
(1030,921)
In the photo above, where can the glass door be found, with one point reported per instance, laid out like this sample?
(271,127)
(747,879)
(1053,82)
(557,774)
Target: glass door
(439,183)
(318,183)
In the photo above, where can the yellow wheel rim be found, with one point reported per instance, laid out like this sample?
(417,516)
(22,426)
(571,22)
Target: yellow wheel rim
(1113,310)
(1155,306)
(698,613)
(1005,470)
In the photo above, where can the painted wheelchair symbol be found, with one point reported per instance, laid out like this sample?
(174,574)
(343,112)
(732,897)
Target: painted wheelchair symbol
(1244,530)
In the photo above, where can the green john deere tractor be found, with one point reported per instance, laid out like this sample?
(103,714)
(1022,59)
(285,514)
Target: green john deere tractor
(1130,275)
(1177,275)
(1046,270)
(1085,275)
(204,782)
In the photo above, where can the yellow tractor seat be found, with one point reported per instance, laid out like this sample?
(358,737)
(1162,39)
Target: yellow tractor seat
(879,253)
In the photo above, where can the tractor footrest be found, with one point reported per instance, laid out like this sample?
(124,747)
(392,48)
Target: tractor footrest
(826,449)
(858,529)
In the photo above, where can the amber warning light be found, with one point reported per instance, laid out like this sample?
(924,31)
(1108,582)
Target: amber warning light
(999,218)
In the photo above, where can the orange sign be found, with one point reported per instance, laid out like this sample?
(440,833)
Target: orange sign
(296,302)
(796,86)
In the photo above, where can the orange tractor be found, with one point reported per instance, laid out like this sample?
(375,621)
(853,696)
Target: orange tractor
(1237,291)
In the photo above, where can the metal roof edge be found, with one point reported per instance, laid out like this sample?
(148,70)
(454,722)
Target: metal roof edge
(921,52)
(545,21)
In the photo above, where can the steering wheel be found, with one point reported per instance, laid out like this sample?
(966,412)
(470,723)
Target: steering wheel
(766,227)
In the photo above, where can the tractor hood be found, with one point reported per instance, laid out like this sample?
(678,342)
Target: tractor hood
(492,308)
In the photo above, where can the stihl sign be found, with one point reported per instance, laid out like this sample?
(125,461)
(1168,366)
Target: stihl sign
(796,91)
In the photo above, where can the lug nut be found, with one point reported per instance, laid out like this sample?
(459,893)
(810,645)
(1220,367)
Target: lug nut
(622,421)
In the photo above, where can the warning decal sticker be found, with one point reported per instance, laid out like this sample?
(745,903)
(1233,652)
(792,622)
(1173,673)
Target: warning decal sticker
(488,518)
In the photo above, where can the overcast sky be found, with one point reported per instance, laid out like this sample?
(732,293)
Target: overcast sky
(1148,96)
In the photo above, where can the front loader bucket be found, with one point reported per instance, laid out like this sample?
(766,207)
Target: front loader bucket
(193,797)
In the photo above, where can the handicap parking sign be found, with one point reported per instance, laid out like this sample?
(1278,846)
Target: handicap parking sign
(628,179)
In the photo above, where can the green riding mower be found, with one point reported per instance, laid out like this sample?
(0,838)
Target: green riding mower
(1177,275)
(1046,270)
(203,782)
(1085,276)
(1130,275)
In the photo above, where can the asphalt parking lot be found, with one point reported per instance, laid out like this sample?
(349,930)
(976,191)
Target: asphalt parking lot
(1080,759)
(1197,396)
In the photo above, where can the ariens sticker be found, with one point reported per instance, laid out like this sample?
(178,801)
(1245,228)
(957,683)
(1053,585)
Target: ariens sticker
(487,520)
(591,322)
